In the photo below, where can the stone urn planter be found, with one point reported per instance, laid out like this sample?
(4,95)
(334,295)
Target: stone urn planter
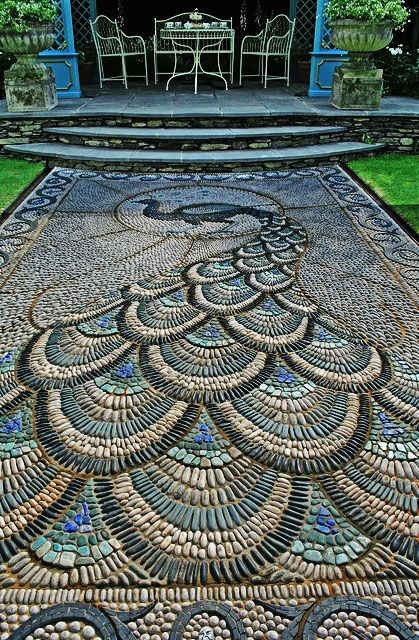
(29,84)
(358,84)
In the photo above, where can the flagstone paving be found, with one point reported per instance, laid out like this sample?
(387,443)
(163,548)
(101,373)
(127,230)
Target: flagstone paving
(208,410)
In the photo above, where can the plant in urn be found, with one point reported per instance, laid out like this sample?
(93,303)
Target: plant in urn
(26,28)
(361,27)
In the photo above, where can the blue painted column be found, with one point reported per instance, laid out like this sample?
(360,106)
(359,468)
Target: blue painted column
(62,57)
(324,57)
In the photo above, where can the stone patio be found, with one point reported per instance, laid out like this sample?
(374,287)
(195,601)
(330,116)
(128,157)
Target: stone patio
(248,100)
(208,400)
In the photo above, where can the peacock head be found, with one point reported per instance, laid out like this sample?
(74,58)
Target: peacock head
(149,202)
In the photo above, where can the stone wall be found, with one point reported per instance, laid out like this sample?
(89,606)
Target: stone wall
(400,133)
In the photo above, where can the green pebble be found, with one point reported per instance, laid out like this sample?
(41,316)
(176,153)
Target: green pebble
(321,538)
(341,558)
(50,556)
(329,556)
(105,548)
(365,542)
(84,551)
(351,553)
(298,547)
(312,536)
(38,543)
(96,553)
(311,555)
(356,547)
(67,559)
(84,561)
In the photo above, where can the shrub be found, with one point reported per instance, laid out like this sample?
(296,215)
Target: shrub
(401,72)
(372,10)
(20,15)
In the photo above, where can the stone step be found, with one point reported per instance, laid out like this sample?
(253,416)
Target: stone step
(170,133)
(80,155)
(195,139)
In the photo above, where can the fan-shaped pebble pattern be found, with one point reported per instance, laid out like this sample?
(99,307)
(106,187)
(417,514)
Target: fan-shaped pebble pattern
(168,435)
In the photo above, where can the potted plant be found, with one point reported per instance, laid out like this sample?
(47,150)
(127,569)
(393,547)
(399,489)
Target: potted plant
(361,27)
(87,64)
(300,53)
(26,28)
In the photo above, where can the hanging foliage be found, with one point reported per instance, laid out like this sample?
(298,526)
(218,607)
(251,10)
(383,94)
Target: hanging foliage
(259,15)
(243,16)
(121,17)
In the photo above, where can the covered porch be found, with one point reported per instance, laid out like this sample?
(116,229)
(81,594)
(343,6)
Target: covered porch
(311,42)
(150,128)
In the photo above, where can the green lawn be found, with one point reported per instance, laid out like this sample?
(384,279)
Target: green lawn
(15,175)
(395,178)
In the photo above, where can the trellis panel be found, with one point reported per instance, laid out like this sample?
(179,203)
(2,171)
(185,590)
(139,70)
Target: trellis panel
(62,56)
(304,12)
(324,57)
(82,12)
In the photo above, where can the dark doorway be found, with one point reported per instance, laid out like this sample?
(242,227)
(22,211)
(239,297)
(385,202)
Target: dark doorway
(138,16)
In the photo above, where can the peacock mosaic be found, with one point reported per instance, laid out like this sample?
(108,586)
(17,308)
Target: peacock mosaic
(208,410)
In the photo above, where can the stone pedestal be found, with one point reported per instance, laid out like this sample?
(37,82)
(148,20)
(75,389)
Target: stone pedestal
(26,94)
(355,88)
(29,84)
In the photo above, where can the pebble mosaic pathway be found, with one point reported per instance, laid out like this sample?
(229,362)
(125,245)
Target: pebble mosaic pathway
(208,410)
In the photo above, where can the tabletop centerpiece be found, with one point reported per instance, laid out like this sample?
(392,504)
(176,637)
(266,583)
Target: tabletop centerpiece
(26,28)
(196,19)
(361,28)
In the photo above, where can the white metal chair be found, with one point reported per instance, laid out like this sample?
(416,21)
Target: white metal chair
(274,41)
(111,42)
(164,47)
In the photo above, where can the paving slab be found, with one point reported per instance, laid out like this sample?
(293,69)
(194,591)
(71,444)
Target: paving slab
(276,100)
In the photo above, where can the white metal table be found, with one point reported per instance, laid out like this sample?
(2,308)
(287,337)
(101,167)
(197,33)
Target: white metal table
(197,42)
